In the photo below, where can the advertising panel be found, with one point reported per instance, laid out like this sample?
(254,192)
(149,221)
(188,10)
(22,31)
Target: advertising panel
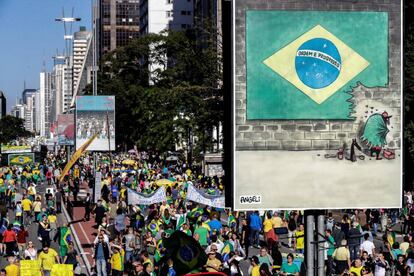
(66,129)
(21,159)
(95,115)
(317,106)
(15,149)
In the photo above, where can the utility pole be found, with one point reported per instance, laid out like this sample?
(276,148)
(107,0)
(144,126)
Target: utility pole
(310,243)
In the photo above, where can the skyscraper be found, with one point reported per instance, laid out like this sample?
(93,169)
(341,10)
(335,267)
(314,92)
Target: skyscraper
(81,41)
(45,104)
(27,92)
(159,15)
(62,86)
(119,23)
(2,104)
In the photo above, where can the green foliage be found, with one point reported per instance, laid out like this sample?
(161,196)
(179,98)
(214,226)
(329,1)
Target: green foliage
(12,128)
(156,106)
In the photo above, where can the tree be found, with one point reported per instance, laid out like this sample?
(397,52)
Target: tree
(166,86)
(12,128)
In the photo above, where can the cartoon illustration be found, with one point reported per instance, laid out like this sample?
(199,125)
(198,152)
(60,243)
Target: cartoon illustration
(375,133)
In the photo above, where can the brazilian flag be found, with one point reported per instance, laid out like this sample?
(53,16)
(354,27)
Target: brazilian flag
(305,64)
(232,223)
(153,226)
(158,251)
(195,213)
(65,236)
(185,252)
(227,248)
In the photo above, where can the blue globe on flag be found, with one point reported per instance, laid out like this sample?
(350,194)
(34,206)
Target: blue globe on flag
(318,63)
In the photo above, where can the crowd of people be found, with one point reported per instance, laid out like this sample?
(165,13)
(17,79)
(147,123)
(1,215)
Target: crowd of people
(89,122)
(144,239)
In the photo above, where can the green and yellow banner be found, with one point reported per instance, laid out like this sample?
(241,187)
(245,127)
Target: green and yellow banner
(21,159)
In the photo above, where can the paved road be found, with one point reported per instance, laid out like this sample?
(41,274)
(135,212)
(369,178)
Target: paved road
(33,227)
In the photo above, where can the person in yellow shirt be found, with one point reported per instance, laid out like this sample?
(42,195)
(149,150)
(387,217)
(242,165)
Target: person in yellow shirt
(269,233)
(277,221)
(255,268)
(356,267)
(213,264)
(48,257)
(300,239)
(12,269)
(117,260)
(52,218)
(27,209)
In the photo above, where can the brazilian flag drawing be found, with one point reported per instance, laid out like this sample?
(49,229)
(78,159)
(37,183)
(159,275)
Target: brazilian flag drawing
(185,251)
(305,64)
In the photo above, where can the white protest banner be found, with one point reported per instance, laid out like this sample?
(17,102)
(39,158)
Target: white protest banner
(135,198)
(98,186)
(195,195)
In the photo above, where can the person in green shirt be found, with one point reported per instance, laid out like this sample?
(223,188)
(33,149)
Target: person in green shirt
(330,245)
(289,268)
(203,234)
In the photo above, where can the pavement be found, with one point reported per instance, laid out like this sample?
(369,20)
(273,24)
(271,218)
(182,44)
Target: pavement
(33,227)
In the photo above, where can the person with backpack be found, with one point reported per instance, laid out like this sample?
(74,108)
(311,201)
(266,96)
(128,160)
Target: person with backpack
(291,227)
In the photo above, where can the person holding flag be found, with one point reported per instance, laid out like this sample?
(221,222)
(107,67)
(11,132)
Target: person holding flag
(63,237)
(181,218)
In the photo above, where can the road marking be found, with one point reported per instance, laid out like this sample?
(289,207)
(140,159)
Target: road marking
(84,233)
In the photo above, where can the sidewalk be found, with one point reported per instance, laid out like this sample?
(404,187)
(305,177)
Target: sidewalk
(83,231)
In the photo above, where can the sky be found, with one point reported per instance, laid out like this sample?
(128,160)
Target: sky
(30,37)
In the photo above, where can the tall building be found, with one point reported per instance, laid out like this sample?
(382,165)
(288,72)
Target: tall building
(118,23)
(82,62)
(18,111)
(27,92)
(81,41)
(31,113)
(45,103)
(159,15)
(62,86)
(3,105)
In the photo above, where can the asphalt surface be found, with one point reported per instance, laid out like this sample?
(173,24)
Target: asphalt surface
(33,227)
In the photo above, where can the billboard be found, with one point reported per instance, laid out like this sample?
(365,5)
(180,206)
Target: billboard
(66,129)
(15,149)
(95,115)
(317,106)
(21,159)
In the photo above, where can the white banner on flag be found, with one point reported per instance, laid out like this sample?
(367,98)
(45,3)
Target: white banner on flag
(135,198)
(195,195)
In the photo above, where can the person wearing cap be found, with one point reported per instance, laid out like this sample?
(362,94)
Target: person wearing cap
(254,269)
(138,268)
(117,260)
(213,264)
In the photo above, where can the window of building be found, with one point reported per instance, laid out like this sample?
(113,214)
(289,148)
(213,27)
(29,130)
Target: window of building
(185,12)
(169,14)
(169,1)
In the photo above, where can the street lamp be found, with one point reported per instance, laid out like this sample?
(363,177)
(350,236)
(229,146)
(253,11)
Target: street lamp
(68,19)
